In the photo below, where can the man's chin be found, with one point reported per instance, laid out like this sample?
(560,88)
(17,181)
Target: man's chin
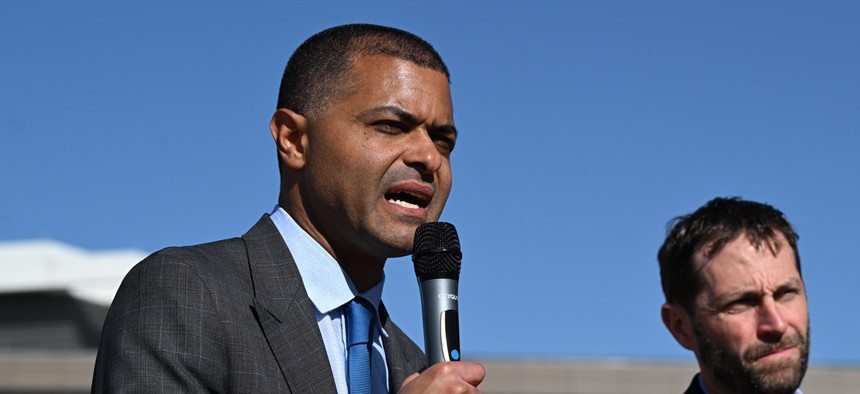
(398,236)
(394,256)
(398,243)
(775,376)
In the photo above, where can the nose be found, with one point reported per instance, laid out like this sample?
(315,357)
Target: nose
(771,325)
(422,153)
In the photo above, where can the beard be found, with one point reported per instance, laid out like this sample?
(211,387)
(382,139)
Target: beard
(739,372)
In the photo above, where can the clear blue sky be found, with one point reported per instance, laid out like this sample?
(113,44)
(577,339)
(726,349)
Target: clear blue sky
(585,126)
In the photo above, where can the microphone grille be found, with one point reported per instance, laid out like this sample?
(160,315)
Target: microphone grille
(436,251)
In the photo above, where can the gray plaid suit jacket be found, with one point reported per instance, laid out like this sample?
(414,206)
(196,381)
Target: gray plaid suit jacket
(228,316)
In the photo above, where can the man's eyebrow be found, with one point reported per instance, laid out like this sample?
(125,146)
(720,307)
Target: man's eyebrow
(444,129)
(742,293)
(406,117)
(398,112)
(793,283)
(737,294)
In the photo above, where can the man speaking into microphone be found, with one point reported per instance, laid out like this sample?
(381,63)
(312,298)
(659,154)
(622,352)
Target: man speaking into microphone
(364,131)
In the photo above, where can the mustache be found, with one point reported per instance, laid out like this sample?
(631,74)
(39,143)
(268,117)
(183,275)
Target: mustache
(762,350)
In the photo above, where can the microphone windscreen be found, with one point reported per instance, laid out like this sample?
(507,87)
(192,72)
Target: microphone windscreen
(436,251)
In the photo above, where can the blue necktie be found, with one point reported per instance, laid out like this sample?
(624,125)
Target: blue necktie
(359,315)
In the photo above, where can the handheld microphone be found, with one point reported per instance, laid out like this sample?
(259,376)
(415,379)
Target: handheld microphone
(436,256)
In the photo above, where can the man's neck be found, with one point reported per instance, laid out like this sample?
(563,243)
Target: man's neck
(364,275)
(364,271)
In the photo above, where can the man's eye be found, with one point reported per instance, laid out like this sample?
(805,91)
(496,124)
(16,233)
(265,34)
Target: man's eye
(786,295)
(389,126)
(445,143)
(739,306)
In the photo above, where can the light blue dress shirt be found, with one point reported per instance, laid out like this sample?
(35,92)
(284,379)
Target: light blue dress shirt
(330,289)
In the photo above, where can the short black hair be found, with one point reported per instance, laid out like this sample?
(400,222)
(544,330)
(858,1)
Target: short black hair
(319,69)
(712,226)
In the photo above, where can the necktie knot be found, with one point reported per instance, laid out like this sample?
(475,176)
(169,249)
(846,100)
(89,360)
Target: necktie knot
(359,316)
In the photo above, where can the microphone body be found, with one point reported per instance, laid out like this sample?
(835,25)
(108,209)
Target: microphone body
(436,255)
(441,321)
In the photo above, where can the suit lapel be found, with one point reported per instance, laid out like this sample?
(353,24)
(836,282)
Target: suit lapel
(285,313)
(403,356)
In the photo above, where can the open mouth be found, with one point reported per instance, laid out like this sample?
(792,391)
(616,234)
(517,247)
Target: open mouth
(407,199)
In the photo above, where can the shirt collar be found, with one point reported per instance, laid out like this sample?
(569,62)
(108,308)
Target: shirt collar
(328,286)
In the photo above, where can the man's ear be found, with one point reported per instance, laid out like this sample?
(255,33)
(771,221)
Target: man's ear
(289,129)
(680,324)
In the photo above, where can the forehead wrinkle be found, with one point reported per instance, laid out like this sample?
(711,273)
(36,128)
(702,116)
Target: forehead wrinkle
(749,276)
(707,253)
(745,285)
(705,259)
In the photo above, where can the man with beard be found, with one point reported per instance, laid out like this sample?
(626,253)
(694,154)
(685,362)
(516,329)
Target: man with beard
(735,297)
(363,132)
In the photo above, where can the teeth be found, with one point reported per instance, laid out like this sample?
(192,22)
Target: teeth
(404,204)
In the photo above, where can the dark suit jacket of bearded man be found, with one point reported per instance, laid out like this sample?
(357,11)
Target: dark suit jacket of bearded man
(228,316)
(694,387)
